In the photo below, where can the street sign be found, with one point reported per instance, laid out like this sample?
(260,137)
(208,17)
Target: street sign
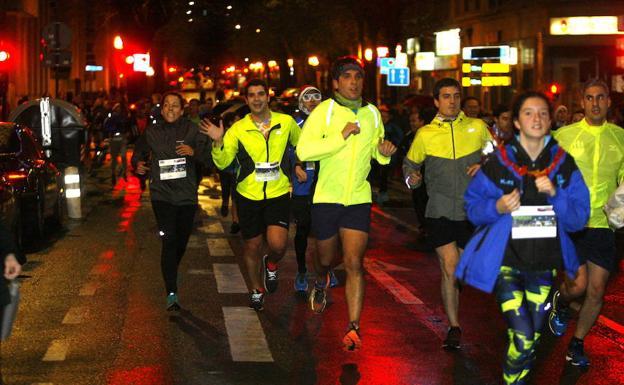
(57,35)
(385,63)
(58,59)
(398,76)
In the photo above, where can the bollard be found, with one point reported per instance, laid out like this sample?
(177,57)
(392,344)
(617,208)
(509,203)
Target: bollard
(72,192)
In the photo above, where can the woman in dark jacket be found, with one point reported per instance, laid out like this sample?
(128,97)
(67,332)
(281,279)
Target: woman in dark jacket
(171,149)
(526,199)
(12,268)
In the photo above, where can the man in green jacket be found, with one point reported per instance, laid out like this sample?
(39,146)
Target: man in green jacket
(343,133)
(259,141)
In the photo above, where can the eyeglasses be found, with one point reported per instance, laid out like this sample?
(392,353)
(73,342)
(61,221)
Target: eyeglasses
(311,96)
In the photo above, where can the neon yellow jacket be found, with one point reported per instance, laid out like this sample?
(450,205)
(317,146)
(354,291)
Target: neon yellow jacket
(599,154)
(245,142)
(344,164)
(447,149)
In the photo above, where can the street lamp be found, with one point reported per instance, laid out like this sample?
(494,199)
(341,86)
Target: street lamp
(368,54)
(237,26)
(313,61)
(118,43)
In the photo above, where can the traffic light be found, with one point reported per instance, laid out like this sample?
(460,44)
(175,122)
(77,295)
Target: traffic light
(554,90)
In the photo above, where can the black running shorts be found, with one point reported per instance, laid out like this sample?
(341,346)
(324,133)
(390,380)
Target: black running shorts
(596,245)
(443,231)
(328,218)
(255,216)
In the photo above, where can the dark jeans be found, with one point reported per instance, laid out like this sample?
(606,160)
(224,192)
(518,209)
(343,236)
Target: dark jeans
(175,224)
(228,183)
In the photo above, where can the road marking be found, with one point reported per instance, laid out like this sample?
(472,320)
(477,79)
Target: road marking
(219,247)
(200,271)
(214,227)
(205,203)
(88,289)
(399,291)
(57,351)
(611,324)
(195,242)
(245,335)
(75,315)
(409,226)
(229,278)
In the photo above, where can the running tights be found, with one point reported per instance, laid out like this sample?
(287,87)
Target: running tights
(174,227)
(522,297)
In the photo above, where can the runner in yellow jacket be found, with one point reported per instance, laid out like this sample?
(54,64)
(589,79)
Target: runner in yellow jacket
(598,149)
(343,133)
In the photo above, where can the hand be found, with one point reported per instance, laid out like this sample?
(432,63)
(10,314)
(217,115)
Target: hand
(141,168)
(302,176)
(350,128)
(215,133)
(12,268)
(472,170)
(508,202)
(184,149)
(415,177)
(386,148)
(544,185)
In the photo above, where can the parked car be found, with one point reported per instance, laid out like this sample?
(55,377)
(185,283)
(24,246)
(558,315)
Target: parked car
(9,211)
(35,180)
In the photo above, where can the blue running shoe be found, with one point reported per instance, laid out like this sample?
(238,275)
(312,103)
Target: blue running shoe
(576,354)
(301,283)
(172,302)
(333,280)
(559,316)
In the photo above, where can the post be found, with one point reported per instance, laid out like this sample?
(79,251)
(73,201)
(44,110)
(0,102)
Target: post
(72,192)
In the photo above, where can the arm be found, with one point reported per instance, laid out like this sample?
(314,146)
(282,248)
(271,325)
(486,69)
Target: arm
(480,198)
(572,204)
(314,143)
(413,162)
(141,151)
(377,139)
(295,132)
(224,153)
(202,148)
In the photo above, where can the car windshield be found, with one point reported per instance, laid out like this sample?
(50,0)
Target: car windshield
(9,141)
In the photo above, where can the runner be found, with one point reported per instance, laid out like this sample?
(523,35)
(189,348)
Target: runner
(258,141)
(525,200)
(598,148)
(450,148)
(343,133)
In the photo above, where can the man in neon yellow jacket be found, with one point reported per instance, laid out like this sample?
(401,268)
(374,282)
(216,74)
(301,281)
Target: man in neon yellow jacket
(258,141)
(343,133)
(598,149)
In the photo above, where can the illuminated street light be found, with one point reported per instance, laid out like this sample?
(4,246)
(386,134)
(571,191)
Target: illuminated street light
(4,56)
(129,59)
(189,12)
(150,71)
(191,3)
(117,42)
(290,62)
(313,61)
(368,54)
(237,26)
(382,51)
(181,79)
(229,7)
(272,63)
(190,20)
(257,30)
(121,76)
(246,59)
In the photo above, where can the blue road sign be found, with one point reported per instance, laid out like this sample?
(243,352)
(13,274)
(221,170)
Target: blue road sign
(398,76)
(385,63)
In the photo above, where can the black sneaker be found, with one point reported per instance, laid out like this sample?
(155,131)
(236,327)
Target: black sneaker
(452,339)
(256,300)
(576,354)
(270,277)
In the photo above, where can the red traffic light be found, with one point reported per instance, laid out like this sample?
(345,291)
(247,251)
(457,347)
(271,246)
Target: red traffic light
(554,88)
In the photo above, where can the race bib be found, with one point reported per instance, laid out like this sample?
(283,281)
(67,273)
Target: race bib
(267,171)
(309,166)
(534,222)
(172,168)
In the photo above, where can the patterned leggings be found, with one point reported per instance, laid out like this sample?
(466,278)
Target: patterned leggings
(522,297)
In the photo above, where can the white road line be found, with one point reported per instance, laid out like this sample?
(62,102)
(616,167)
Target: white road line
(229,278)
(75,315)
(88,289)
(214,227)
(195,242)
(219,247)
(245,335)
(200,271)
(399,291)
(397,220)
(57,351)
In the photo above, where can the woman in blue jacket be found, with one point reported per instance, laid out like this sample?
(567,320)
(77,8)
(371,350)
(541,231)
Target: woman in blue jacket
(526,199)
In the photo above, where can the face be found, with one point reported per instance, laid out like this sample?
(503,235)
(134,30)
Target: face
(193,107)
(311,100)
(534,119)
(449,101)
(350,84)
(257,100)
(385,116)
(415,121)
(471,108)
(596,103)
(171,108)
(562,115)
(504,121)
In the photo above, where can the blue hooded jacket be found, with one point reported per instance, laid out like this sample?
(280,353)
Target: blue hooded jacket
(481,260)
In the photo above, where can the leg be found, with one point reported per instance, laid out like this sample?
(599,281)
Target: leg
(448,256)
(251,254)
(277,238)
(354,244)
(165,217)
(571,289)
(301,206)
(590,310)
(326,252)
(185,220)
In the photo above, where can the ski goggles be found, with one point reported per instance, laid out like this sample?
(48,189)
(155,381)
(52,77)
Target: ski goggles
(311,96)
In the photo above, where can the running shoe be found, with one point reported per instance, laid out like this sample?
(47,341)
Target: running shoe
(270,276)
(576,354)
(318,296)
(352,340)
(333,280)
(452,339)
(172,302)
(559,316)
(256,300)
(301,283)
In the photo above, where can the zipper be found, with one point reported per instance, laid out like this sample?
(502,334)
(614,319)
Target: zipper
(266,141)
(454,168)
(353,155)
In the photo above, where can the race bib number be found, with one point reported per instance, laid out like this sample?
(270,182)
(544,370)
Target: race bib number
(534,222)
(267,171)
(172,168)
(309,166)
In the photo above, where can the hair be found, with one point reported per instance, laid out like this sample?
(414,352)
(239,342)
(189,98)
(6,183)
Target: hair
(254,83)
(464,101)
(500,109)
(446,82)
(517,105)
(595,82)
(174,93)
(228,119)
(343,63)
(427,114)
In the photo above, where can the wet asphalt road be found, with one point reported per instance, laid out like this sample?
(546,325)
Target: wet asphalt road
(92,312)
